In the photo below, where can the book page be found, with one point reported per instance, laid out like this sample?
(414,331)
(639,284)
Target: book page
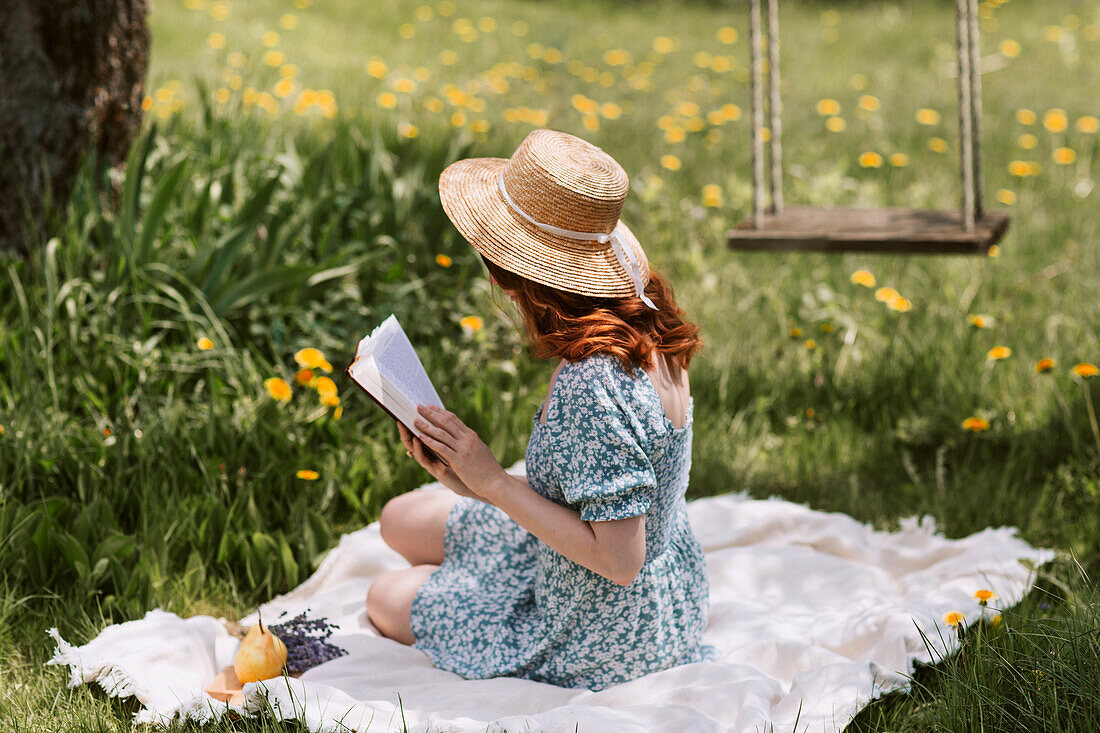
(397,362)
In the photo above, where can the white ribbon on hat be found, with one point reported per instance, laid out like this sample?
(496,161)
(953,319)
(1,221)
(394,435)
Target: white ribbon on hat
(624,254)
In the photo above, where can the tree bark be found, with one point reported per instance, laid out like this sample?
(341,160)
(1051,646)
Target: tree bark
(72,76)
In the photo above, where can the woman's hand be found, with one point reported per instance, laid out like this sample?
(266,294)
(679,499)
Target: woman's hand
(470,459)
(442,473)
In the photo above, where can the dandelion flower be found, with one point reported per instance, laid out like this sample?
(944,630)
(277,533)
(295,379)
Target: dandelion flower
(1064,156)
(670,162)
(810,344)
(325,386)
(870,159)
(998,352)
(827,328)
(1010,48)
(387,100)
(712,195)
(899,160)
(304,377)
(954,618)
(978,320)
(983,596)
(827,106)
(443,260)
(338,412)
(205,343)
(471,324)
(996,621)
(278,389)
(1006,197)
(215,40)
(1044,365)
(308,475)
(1086,370)
(312,358)
(994,250)
(899,303)
(975,424)
(835,124)
(864,278)
(1025,116)
(885,294)
(1055,120)
(795,333)
(330,400)
(1088,123)
(927,116)
(937,145)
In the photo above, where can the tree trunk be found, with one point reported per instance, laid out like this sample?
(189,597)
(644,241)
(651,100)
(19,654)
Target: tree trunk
(72,76)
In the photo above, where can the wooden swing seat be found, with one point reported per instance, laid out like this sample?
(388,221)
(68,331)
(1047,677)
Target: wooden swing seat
(885,231)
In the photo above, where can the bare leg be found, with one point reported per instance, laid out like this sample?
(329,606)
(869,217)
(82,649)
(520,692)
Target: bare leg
(390,597)
(413,523)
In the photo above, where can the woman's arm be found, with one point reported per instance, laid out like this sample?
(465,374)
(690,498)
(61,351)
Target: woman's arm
(614,549)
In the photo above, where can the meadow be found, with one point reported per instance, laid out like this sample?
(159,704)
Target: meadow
(157,353)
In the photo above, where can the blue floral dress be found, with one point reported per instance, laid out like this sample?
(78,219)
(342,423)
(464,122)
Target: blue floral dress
(503,603)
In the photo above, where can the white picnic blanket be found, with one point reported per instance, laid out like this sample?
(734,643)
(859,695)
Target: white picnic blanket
(814,614)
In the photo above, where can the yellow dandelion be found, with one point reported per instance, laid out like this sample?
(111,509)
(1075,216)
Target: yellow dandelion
(975,424)
(312,358)
(1034,169)
(288,21)
(926,116)
(712,195)
(591,122)
(899,160)
(827,328)
(1019,168)
(795,333)
(338,412)
(433,104)
(446,8)
(835,124)
(827,106)
(978,320)
(886,293)
(305,377)
(937,145)
(670,162)
(870,159)
(403,85)
(486,24)
(1044,365)
(387,100)
(1086,370)
(236,59)
(810,344)
(1006,197)
(215,40)
(1088,124)
(406,30)
(864,278)
(984,596)
(407,130)
(1010,48)
(204,343)
(274,58)
(1055,120)
(664,44)
(288,71)
(611,111)
(1064,156)
(471,324)
(308,475)
(1025,116)
(954,618)
(998,352)
(278,389)
(900,304)
(675,135)
(376,68)
(329,400)
(996,621)
(869,102)
(325,386)
(458,119)
(727,34)
(731,111)
(270,39)
(284,88)
(443,260)
(994,250)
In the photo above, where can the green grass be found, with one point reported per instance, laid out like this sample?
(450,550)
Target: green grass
(270,232)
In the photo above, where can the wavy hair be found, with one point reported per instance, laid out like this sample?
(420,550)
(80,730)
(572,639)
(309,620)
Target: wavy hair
(572,326)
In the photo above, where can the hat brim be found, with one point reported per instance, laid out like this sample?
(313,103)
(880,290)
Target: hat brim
(472,200)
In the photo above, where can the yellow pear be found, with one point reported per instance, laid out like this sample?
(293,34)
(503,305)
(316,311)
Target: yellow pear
(261,656)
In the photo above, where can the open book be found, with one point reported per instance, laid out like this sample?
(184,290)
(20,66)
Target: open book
(387,368)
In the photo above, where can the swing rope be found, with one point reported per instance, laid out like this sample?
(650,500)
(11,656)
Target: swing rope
(968,65)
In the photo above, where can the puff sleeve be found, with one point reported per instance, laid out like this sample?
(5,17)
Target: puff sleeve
(601,464)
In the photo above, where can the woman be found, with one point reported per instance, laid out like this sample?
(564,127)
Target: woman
(585,573)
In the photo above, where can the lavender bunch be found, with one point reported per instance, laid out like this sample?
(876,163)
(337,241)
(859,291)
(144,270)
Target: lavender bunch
(306,641)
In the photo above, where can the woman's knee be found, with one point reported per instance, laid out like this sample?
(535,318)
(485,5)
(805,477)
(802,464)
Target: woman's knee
(413,524)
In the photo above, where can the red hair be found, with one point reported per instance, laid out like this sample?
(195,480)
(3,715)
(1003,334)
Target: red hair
(572,326)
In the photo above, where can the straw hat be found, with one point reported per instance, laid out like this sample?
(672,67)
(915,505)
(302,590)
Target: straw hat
(551,214)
